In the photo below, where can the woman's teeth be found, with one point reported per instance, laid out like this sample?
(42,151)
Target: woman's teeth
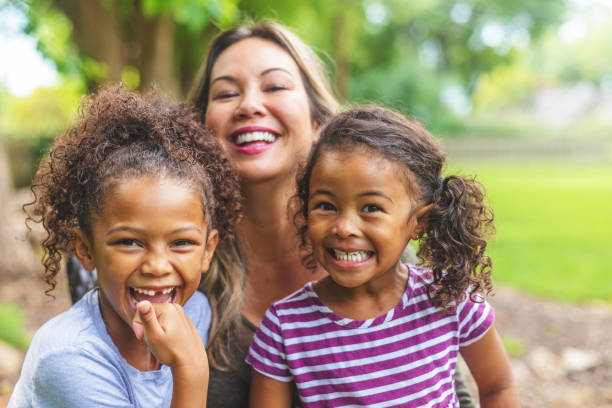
(255,137)
(356,256)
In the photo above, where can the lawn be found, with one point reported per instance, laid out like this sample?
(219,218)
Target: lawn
(554,226)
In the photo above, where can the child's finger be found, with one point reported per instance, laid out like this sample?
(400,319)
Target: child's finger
(150,326)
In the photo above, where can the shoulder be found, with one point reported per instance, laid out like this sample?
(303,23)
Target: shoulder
(299,302)
(72,377)
(69,329)
(197,308)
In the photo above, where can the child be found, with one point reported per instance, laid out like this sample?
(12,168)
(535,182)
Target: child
(376,332)
(139,191)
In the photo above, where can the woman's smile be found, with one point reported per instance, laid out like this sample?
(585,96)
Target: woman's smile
(253,139)
(259,109)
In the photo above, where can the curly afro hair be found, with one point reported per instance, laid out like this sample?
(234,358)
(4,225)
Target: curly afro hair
(121,134)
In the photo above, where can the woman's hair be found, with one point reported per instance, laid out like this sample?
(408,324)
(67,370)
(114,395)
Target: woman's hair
(224,282)
(453,242)
(121,134)
(323,104)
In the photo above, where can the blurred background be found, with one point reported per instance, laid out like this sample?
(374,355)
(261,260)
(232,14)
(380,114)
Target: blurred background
(520,92)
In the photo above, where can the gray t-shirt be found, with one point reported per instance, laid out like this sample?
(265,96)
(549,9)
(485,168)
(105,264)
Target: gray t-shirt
(72,362)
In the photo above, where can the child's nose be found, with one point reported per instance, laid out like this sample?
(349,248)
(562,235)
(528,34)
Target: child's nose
(156,264)
(345,226)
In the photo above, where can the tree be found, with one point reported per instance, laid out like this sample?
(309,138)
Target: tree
(393,51)
(139,42)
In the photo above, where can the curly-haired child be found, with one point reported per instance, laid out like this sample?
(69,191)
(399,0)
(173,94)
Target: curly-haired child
(377,332)
(140,191)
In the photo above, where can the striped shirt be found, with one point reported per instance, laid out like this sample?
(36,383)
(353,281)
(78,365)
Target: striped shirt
(405,357)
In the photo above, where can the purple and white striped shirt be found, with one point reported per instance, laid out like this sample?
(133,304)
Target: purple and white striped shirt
(405,357)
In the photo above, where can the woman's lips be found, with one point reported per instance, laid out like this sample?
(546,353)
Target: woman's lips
(253,140)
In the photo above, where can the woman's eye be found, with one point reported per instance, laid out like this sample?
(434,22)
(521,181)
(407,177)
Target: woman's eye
(224,95)
(371,208)
(324,206)
(275,88)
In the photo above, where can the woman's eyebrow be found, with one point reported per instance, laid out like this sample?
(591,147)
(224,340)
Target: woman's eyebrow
(267,71)
(223,78)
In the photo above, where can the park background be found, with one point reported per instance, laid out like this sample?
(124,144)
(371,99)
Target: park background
(519,91)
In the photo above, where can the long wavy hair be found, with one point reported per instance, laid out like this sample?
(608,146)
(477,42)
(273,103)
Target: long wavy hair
(225,280)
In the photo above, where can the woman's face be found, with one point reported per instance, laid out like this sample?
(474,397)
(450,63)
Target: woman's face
(259,109)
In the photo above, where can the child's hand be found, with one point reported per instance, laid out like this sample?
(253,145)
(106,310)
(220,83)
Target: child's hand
(173,339)
(170,335)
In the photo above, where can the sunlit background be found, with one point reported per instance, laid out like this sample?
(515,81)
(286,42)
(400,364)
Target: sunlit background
(519,91)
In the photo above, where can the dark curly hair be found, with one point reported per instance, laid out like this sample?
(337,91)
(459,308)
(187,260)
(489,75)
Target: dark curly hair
(122,134)
(454,239)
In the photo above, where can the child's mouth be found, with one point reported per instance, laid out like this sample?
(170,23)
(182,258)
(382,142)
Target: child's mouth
(166,295)
(352,256)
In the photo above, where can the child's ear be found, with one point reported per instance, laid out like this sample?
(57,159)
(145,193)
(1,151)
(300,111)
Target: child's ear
(421,218)
(211,243)
(83,249)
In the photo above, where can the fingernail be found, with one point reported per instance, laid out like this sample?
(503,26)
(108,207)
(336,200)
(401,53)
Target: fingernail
(144,306)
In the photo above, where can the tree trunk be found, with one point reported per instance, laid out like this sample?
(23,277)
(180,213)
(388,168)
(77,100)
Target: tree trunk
(16,255)
(156,62)
(146,43)
(341,37)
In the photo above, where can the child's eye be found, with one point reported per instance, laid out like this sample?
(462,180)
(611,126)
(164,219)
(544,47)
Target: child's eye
(127,242)
(183,242)
(371,208)
(325,206)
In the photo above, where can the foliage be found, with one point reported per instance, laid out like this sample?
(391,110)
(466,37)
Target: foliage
(388,51)
(553,226)
(12,326)
(42,114)
(514,346)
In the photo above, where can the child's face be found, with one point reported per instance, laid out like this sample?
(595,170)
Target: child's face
(359,217)
(149,243)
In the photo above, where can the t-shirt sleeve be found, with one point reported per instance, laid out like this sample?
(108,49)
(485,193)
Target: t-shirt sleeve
(266,353)
(77,379)
(197,308)
(474,321)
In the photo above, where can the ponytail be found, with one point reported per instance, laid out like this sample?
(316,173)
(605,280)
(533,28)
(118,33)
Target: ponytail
(454,242)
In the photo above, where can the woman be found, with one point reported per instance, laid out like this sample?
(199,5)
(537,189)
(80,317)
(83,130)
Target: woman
(265,94)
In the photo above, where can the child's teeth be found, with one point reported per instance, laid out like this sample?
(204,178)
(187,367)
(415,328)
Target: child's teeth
(356,256)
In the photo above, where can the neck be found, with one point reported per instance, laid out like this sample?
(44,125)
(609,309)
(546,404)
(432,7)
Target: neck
(271,247)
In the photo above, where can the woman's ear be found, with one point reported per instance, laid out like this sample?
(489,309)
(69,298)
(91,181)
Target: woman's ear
(316,131)
(83,249)
(421,218)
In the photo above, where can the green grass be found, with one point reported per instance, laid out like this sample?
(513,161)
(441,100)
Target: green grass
(12,326)
(514,346)
(554,227)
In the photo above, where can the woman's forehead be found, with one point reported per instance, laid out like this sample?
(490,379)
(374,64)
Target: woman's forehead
(255,56)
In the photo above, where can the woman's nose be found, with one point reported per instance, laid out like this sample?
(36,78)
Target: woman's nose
(156,263)
(250,104)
